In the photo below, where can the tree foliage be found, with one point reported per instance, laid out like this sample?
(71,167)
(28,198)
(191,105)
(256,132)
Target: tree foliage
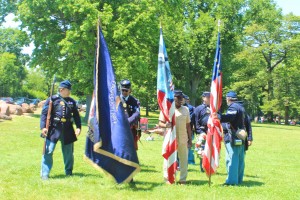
(270,41)
(259,45)
(11,75)
(12,61)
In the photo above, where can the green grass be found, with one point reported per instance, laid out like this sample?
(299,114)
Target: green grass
(272,169)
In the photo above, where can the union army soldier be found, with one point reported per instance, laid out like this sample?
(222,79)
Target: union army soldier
(186,100)
(235,147)
(64,111)
(248,127)
(201,115)
(132,109)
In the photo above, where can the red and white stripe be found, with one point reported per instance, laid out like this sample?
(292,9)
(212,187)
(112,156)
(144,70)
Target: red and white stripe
(212,149)
(169,150)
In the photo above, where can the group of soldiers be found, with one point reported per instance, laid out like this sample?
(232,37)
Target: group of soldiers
(190,122)
(64,112)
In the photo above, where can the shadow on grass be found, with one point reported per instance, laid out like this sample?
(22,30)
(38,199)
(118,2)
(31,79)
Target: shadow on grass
(62,176)
(143,186)
(275,126)
(221,174)
(251,176)
(148,168)
(251,183)
(197,182)
(36,115)
(248,183)
(195,170)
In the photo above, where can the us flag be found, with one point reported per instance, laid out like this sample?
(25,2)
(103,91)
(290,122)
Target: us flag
(165,98)
(214,135)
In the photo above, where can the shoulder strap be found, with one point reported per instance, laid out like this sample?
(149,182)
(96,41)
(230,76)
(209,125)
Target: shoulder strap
(65,102)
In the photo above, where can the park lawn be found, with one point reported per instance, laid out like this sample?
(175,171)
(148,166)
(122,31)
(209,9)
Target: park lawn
(272,169)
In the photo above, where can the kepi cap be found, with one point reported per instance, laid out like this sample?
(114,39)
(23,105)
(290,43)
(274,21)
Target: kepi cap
(65,84)
(206,94)
(231,94)
(186,97)
(178,93)
(125,84)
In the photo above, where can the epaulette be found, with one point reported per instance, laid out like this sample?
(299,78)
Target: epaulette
(55,97)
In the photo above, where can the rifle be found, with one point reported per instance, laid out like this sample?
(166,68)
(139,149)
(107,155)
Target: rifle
(49,113)
(139,130)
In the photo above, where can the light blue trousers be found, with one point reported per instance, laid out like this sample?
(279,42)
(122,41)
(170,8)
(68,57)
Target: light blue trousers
(47,158)
(235,163)
(191,157)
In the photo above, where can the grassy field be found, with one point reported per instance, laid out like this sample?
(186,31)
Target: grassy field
(272,169)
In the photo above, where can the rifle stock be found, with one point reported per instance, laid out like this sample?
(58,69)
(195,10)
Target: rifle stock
(49,114)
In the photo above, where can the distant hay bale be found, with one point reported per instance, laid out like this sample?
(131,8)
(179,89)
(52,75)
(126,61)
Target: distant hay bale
(32,106)
(26,108)
(4,109)
(15,109)
(2,116)
(41,104)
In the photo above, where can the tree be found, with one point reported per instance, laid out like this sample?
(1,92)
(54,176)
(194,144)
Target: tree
(268,39)
(11,75)
(192,42)
(64,35)
(12,61)
(35,84)
(255,41)
(6,7)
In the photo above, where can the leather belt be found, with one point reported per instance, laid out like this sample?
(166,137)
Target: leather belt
(63,120)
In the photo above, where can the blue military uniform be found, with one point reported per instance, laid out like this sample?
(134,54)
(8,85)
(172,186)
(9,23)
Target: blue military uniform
(64,111)
(201,116)
(247,124)
(132,109)
(202,113)
(235,154)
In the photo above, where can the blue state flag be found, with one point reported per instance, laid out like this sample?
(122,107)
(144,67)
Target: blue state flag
(109,142)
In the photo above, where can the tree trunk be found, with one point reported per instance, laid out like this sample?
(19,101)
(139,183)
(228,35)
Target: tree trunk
(286,115)
(193,87)
(88,106)
(270,97)
(147,108)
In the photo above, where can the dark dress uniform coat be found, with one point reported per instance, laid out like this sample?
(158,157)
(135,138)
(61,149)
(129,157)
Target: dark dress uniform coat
(132,110)
(64,111)
(235,117)
(202,113)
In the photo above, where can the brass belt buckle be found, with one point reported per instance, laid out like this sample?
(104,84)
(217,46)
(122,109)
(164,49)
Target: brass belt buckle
(63,119)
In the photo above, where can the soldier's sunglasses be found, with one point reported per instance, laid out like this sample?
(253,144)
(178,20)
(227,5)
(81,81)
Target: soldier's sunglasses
(123,90)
